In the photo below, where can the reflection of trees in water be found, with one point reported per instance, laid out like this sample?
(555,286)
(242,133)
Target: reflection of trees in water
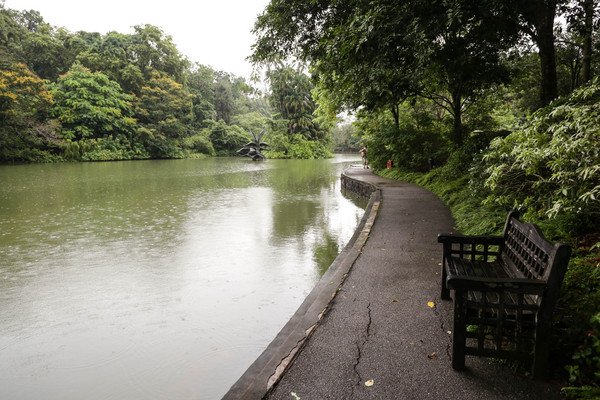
(298,212)
(291,219)
(305,177)
(304,222)
(325,252)
(298,185)
(357,200)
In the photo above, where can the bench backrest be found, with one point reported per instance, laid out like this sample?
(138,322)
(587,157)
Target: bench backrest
(525,249)
(531,256)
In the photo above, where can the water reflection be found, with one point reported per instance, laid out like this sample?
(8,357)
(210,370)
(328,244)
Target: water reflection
(157,279)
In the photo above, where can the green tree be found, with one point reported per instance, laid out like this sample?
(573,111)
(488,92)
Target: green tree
(224,99)
(43,48)
(345,138)
(131,59)
(199,83)
(113,56)
(582,21)
(291,98)
(153,51)
(10,35)
(164,112)
(535,18)
(90,105)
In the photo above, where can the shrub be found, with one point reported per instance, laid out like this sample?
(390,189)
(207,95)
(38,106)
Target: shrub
(552,166)
(409,144)
(105,149)
(199,144)
(226,139)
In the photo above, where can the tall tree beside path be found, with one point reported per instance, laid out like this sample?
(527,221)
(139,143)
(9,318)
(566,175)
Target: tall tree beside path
(536,18)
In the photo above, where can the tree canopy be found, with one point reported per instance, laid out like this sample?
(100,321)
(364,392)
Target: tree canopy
(90,105)
(376,54)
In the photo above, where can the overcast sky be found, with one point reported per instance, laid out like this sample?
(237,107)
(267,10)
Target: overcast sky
(211,32)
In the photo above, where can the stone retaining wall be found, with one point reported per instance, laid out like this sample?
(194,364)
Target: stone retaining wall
(361,188)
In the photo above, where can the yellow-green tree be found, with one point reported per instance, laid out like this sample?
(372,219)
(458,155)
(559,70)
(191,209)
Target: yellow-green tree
(23,95)
(164,112)
(25,103)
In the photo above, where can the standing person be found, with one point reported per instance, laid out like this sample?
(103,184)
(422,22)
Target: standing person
(363,152)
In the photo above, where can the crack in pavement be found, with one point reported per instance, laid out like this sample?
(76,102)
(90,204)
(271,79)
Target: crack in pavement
(359,347)
(446,331)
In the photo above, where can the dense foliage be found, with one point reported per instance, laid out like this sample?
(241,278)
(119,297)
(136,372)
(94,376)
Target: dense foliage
(551,166)
(90,96)
(89,105)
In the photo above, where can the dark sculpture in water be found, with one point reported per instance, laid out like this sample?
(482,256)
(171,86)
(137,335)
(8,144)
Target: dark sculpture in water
(254,149)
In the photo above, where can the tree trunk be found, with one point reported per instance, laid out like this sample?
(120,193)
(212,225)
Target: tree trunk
(588,7)
(539,24)
(457,129)
(548,67)
(544,25)
(396,114)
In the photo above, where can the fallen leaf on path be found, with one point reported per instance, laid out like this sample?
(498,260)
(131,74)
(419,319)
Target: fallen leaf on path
(370,382)
(296,397)
(431,304)
(432,355)
(395,301)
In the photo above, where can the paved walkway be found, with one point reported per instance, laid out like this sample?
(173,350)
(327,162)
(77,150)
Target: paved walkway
(386,332)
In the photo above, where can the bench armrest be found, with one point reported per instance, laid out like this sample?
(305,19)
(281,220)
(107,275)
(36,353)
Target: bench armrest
(474,239)
(514,285)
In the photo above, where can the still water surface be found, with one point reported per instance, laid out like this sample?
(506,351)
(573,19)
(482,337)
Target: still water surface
(157,279)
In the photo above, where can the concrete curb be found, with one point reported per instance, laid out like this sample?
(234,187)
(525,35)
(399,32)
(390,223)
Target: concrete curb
(265,372)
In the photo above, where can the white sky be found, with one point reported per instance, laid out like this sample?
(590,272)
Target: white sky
(210,32)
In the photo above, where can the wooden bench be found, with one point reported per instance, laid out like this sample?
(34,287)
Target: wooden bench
(505,288)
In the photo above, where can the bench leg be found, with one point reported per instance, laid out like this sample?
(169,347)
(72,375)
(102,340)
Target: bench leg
(459,337)
(541,356)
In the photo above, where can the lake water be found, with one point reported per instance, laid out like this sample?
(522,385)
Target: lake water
(158,279)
